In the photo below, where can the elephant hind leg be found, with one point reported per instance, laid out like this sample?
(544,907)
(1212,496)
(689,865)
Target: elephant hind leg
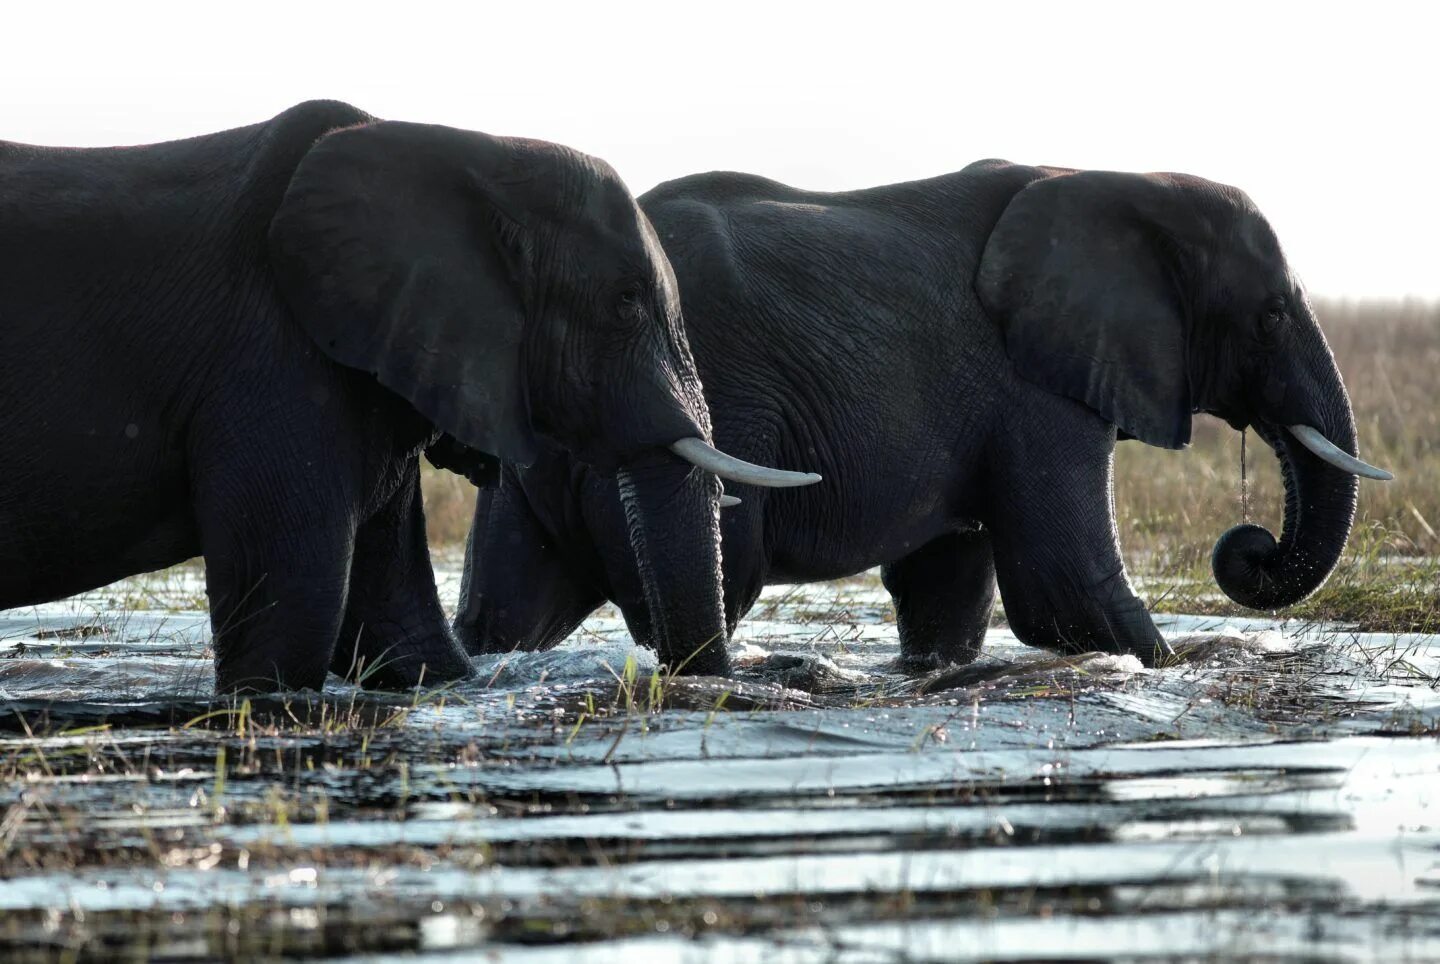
(394,635)
(944,593)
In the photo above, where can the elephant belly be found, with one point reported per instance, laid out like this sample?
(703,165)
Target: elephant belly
(817,555)
(890,499)
(48,552)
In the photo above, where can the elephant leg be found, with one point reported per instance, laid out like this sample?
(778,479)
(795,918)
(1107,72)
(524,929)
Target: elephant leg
(743,561)
(394,635)
(619,575)
(743,577)
(277,562)
(743,585)
(1057,559)
(944,593)
(522,589)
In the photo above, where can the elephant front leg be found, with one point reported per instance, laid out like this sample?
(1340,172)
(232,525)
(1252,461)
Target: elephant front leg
(394,635)
(944,593)
(1057,558)
(276,562)
(522,587)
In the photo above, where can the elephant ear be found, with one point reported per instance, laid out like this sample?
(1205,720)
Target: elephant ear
(447,453)
(1081,273)
(398,255)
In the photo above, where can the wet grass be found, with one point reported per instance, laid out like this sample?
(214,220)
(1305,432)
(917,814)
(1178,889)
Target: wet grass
(1369,590)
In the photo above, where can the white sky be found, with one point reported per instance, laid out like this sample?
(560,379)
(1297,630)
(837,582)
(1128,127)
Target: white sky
(1328,118)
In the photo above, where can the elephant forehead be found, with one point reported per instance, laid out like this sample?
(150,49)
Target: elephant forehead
(666,284)
(1252,250)
(618,238)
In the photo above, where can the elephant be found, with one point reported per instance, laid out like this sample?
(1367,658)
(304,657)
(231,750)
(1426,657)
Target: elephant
(960,355)
(236,346)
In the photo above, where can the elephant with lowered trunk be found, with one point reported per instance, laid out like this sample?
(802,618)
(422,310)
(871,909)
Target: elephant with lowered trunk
(958,354)
(237,345)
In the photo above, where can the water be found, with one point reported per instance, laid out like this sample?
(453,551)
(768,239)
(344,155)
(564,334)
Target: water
(1276,794)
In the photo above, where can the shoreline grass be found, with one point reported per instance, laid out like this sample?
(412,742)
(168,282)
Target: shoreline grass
(1172,506)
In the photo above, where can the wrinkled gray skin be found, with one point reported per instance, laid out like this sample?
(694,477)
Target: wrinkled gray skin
(956,356)
(237,346)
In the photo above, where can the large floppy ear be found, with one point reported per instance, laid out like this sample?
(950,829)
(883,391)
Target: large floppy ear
(480,468)
(1083,275)
(398,255)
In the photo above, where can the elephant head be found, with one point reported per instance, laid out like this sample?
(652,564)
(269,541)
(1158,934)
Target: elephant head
(1151,297)
(514,294)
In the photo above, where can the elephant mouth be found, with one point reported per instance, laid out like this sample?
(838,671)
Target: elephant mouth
(1316,442)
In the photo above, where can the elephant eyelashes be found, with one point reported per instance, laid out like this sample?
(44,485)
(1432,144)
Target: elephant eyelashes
(632,305)
(1272,319)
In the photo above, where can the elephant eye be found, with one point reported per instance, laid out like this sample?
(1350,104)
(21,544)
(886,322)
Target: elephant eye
(1272,317)
(630,304)
(630,298)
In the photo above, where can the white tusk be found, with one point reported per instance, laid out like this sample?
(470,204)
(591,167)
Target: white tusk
(726,501)
(1328,451)
(702,455)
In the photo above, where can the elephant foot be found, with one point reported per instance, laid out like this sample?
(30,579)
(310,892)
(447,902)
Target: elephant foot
(944,593)
(379,660)
(919,663)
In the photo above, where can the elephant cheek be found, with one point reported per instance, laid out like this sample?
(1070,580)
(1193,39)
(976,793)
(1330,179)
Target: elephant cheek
(1274,392)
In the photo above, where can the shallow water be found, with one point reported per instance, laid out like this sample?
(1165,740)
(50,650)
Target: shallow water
(1276,793)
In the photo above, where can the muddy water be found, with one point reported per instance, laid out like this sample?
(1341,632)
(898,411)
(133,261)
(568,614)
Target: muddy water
(1276,793)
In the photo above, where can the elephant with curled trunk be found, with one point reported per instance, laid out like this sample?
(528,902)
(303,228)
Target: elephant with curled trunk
(958,355)
(237,346)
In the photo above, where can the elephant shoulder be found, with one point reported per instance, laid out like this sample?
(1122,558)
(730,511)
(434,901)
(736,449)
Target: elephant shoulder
(720,188)
(709,216)
(694,218)
(1000,180)
(306,122)
(989,165)
(282,141)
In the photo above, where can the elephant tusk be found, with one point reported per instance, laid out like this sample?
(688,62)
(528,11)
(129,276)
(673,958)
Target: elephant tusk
(703,455)
(726,501)
(1328,451)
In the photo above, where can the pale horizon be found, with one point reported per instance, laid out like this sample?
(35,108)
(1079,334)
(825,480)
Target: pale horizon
(1322,118)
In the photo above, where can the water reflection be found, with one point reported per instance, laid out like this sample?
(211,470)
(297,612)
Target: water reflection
(1274,792)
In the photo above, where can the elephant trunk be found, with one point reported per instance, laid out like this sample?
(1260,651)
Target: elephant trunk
(1249,565)
(672,515)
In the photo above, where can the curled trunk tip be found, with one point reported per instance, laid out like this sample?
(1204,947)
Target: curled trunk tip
(1258,571)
